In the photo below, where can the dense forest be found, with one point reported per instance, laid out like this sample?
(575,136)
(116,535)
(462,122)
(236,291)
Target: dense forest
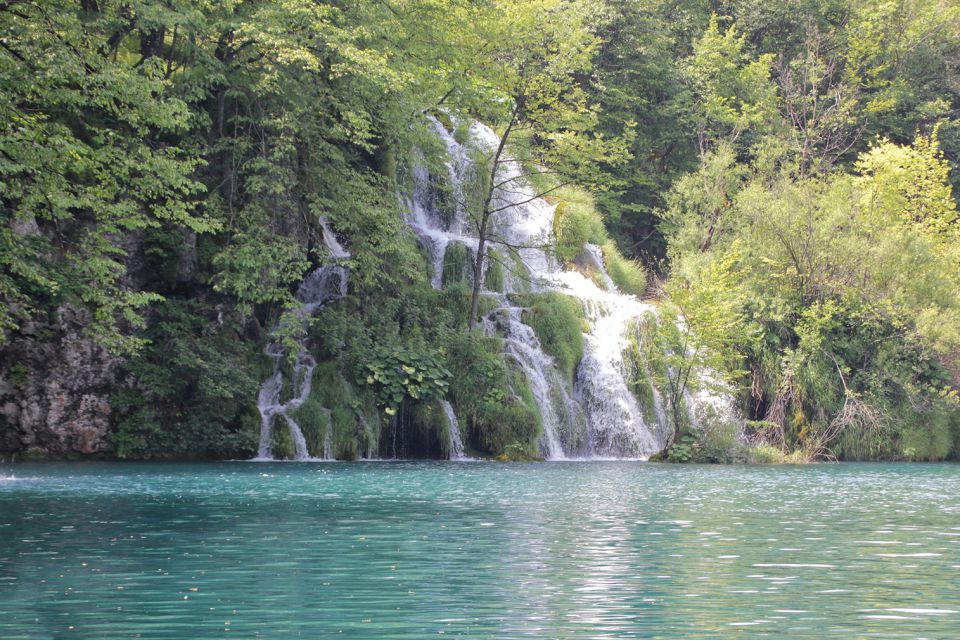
(779,178)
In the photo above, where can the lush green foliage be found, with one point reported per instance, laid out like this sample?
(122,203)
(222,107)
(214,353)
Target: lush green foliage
(789,168)
(576,222)
(840,294)
(494,399)
(398,374)
(194,389)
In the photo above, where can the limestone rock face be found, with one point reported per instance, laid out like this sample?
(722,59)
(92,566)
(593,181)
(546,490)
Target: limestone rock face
(54,389)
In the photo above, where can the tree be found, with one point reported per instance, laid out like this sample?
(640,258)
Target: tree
(639,85)
(818,105)
(90,151)
(703,328)
(733,92)
(534,53)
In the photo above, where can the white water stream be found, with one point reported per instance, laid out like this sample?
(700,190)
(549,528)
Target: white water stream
(598,416)
(455,444)
(324,284)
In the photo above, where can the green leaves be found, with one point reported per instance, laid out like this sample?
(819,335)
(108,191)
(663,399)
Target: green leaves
(734,92)
(85,158)
(398,373)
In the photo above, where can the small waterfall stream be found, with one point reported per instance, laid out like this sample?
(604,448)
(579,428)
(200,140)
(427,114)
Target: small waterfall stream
(321,286)
(549,391)
(455,444)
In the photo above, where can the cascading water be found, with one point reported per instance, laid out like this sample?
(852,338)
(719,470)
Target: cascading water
(616,425)
(321,286)
(557,408)
(455,444)
(333,246)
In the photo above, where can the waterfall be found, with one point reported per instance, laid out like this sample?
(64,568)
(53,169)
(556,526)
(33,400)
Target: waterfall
(523,347)
(455,445)
(616,425)
(334,248)
(372,452)
(614,421)
(321,286)
(328,436)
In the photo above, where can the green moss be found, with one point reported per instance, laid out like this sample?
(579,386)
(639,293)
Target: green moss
(313,420)
(443,117)
(444,198)
(520,280)
(576,222)
(249,427)
(626,274)
(385,161)
(348,435)
(281,444)
(557,320)
(492,400)
(431,426)
(456,299)
(352,437)
(493,279)
(456,265)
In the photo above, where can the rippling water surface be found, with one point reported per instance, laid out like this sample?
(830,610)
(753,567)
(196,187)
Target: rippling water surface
(479,550)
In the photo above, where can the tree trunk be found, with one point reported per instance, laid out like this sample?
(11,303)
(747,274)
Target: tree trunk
(477,277)
(484,220)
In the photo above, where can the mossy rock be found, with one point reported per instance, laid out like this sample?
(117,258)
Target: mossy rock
(576,222)
(494,278)
(627,274)
(492,400)
(314,420)
(336,402)
(281,443)
(557,320)
(457,263)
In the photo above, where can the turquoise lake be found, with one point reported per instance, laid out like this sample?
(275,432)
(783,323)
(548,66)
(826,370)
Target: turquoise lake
(479,550)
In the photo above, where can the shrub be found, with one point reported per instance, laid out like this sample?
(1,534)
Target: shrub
(193,388)
(766,454)
(719,441)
